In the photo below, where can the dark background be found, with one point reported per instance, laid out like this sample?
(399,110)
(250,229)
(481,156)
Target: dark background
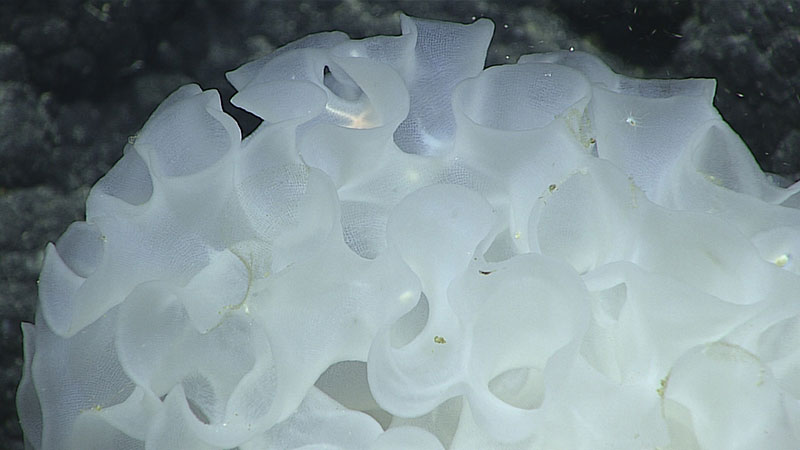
(77,77)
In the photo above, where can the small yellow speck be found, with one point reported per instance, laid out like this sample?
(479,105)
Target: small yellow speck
(663,387)
(552,187)
(517,235)
(714,180)
(782,260)
(439,340)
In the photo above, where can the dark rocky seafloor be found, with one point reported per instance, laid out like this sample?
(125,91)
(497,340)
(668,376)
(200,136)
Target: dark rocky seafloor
(77,77)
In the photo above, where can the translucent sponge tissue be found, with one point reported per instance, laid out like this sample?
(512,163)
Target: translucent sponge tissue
(413,251)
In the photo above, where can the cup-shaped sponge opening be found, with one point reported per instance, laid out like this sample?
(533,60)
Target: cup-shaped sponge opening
(520,97)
